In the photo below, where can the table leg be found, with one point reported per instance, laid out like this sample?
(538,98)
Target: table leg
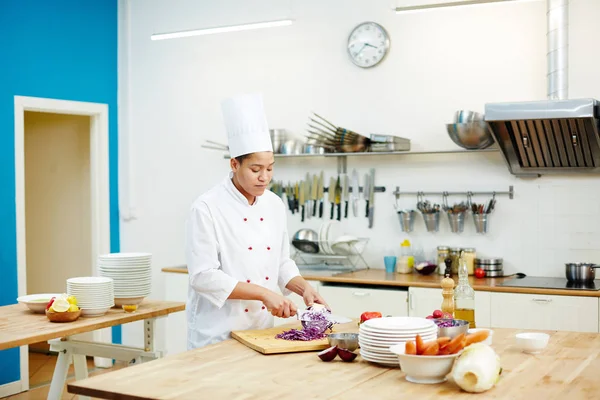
(60,374)
(81,370)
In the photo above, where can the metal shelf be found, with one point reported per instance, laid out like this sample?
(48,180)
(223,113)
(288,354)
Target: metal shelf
(384,153)
(510,193)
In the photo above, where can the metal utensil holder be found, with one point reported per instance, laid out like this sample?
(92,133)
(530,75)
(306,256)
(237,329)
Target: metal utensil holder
(407,220)
(481,221)
(432,221)
(455,219)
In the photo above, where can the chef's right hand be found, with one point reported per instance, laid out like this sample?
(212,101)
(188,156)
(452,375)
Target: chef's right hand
(279,305)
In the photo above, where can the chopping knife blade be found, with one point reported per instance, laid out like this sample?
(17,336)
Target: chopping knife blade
(314,192)
(338,198)
(355,193)
(332,195)
(320,194)
(289,192)
(372,198)
(307,195)
(296,196)
(367,193)
(346,194)
(301,199)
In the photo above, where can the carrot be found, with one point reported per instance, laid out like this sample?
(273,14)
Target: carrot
(443,340)
(411,348)
(477,337)
(420,344)
(432,349)
(455,344)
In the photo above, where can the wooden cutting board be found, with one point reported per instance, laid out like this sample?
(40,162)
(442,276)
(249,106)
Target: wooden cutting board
(264,341)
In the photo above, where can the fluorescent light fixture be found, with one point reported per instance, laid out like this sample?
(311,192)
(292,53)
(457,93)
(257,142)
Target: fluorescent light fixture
(400,10)
(222,29)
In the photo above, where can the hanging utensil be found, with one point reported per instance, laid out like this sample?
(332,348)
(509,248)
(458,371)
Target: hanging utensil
(313,192)
(355,193)
(301,199)
(372,198)
(338,198)
(307,196)
(346,194)
(296,197)
(367,194)
(332,195)
(320,194)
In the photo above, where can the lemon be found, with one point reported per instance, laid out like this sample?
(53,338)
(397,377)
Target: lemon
(73,307)
(72,300)
(61,305)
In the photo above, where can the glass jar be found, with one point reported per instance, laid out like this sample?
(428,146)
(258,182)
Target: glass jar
(454,255)
(442,254)
(469,255)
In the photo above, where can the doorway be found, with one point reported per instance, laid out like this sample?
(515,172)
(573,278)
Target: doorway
(62,199)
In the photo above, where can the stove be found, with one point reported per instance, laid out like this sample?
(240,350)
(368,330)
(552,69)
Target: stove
(551,283)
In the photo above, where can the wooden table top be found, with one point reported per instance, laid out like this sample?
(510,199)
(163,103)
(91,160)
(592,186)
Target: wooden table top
(378,277)
(567,368)
(19,326)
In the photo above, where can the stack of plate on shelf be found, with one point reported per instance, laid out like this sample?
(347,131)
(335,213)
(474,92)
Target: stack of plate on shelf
(94,294)
(131,273)
(376,335)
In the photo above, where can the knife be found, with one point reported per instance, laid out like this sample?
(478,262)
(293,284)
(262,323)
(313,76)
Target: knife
(355,193)
(346,194)
(367,193)
(372,198)
(314,191)
(320,194)
(307,195)
(289,192)
(296,196)
(301,198)
(338,198)
(332,195)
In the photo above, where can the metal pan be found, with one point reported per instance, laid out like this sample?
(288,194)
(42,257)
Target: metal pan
(580,272)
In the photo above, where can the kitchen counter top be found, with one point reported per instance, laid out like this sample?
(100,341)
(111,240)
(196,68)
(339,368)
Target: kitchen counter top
(378,277)
(567,368)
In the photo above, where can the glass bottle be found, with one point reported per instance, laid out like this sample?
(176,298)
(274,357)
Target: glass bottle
(464,295)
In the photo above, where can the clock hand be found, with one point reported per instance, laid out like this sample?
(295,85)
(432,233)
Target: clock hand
(370,45)
(361,49)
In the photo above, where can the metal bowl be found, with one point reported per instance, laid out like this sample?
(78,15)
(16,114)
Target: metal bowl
(348,341)
(471,135)
(461,326)
(306,240)
(278,137)
(465,116)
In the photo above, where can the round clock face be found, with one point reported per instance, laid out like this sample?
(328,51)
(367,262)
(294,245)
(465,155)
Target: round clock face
(368,44)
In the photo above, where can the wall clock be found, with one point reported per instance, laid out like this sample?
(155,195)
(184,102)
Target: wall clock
(368,44)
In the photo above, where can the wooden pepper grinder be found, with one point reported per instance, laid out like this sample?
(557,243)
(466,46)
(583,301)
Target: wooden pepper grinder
(448,294)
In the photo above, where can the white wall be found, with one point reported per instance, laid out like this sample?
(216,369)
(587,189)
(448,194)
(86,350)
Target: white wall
(57,200)
(439,62)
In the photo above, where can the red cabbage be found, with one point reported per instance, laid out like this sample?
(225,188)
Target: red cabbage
(305,334)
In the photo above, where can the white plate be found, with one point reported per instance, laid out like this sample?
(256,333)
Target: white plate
(89,280)
(323,238)
(378,360)
(433,328)
(399,323)
(389,356)
(389,342)
(112,256)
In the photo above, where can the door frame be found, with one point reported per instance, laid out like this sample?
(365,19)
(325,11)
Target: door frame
(100,201)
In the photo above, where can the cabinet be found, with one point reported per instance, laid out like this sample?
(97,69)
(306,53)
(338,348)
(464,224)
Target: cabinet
(352,301)
(423,301)
(532,311)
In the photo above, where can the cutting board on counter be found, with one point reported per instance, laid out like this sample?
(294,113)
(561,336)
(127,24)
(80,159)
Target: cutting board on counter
(264,341)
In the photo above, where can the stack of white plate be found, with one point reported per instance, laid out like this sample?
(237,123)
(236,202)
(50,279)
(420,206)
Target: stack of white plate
(376,335)
(131,273)
(95,294)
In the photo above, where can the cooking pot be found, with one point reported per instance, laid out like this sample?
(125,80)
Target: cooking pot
(580,272)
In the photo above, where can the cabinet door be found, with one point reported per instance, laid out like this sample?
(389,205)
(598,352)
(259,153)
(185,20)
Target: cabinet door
(532,311)
(423,301)
(351,302)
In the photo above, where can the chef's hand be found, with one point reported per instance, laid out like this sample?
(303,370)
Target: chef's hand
(279,305)
(311,296)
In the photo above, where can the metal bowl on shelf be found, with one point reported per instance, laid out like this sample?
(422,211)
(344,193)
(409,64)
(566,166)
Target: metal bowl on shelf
(306,240)
(466,116)
(470,135)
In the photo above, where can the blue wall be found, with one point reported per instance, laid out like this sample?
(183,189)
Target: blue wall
(61,49)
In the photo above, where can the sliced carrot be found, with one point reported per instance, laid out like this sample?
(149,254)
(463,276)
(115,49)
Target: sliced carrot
(420,344)
(411,348)
(477,337)
(443,340)
(432,349)
(455,344)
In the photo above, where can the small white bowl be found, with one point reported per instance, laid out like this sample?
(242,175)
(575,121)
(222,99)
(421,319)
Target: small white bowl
(532,342)
(487,341)
(37,302)
(424,369)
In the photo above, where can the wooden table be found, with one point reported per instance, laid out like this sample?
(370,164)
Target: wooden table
(567,369)
(19,326)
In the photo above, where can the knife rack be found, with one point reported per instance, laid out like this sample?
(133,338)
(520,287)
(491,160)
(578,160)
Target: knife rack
(510,193)
(378,189)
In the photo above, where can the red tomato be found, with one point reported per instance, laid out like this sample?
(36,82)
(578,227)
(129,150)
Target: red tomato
(480,273)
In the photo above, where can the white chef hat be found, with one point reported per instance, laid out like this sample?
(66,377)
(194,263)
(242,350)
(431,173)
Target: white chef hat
(246,125)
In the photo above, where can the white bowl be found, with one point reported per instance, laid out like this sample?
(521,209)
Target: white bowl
(424,369)
(37,302)
(532,342)
(487,341)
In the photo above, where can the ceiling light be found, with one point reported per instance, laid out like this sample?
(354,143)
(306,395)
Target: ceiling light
(463,3)
(222,29)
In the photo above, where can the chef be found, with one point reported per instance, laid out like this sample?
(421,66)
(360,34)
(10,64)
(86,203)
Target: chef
(237,244)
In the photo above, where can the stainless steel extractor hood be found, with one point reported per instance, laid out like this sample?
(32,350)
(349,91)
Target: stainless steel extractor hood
(557,135)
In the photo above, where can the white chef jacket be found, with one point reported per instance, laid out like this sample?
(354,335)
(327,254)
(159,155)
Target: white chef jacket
(229,241)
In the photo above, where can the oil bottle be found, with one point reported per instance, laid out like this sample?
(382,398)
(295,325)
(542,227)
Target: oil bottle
(464,295)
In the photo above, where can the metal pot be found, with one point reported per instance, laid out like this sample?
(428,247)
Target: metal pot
(580,272)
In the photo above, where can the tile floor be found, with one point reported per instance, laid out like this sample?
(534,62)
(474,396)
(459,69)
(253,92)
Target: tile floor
(41,368)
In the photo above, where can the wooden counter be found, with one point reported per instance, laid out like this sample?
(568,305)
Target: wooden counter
(19,326)
(566,369)
(378,277)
